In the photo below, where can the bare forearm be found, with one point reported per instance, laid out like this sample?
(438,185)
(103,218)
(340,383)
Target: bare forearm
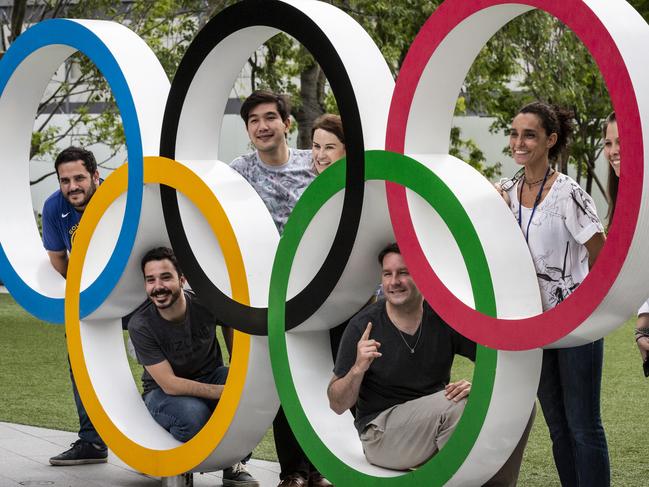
(177,386)
(343,391)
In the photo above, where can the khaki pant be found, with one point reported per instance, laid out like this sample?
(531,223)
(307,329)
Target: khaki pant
(407,435)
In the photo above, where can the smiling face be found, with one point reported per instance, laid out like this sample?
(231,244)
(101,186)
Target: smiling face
(326,149)
(162,283)
(77,184)
(266,129)
(528,142)
(612,147)
(398,286)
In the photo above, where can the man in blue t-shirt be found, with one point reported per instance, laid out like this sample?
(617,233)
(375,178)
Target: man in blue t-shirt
(78,177)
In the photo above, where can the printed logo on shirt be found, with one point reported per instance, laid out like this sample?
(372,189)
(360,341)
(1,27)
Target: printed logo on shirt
(63,215)
(73,231)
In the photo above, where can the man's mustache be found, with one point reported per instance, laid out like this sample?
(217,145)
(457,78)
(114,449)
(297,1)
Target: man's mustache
(160,292)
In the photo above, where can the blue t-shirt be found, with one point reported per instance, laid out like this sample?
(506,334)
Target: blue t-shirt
(60,222)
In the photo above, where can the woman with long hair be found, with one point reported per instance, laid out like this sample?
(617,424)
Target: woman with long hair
(560,224)
(612,154)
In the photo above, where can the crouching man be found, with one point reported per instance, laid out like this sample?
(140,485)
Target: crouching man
(394,365)
(174,337)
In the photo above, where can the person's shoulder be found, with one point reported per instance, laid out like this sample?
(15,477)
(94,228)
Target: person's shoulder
(54,202)
(371,313)
(569,190)
(302,158)
(142,318)
(244,161)
(197,307)
(565,184)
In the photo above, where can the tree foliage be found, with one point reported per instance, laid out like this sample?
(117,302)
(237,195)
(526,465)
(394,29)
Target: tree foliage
(536,57)
(167,26)
(533,57)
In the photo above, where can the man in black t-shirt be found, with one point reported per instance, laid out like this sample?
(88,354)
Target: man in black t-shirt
(174,337)
(394,365)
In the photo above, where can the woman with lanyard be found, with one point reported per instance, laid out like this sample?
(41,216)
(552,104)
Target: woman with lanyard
(612,154)
(564,234)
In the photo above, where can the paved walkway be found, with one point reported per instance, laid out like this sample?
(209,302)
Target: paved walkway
(25,451)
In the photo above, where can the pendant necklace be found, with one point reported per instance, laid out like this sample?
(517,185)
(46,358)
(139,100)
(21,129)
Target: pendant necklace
(412,349)
(536,204)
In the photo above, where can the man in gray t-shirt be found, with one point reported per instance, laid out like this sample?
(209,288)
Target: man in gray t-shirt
(174,337)
(279,175)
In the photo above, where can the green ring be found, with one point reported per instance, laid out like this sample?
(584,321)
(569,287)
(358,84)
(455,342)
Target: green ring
(400,169)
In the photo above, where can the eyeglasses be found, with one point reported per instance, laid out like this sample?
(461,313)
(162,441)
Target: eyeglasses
(506,184)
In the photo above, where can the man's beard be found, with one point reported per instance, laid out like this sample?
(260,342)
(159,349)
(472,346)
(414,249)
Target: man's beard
(172,301)
(88,195)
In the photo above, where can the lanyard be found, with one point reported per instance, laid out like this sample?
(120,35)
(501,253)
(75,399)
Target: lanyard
(536,204)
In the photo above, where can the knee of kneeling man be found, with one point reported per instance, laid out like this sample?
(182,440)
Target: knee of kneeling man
(456,408)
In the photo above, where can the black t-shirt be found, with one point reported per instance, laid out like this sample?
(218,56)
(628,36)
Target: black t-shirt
(190,347)
(398,375)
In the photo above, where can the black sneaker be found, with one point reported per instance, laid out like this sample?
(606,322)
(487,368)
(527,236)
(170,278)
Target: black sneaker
(81,453)
(238,476)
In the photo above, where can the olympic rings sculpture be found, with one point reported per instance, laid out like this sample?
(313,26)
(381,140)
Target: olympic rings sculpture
(464,250)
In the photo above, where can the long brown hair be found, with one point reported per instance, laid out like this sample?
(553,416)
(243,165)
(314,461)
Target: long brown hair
(613,180)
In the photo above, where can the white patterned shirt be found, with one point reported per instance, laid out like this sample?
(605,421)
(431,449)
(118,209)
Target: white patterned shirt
(563,222)
(279,186)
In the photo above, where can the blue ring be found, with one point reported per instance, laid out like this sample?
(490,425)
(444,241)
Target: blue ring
(75,35)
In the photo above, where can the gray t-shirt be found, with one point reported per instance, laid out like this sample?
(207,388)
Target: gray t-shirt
(279,186)
(190,347)
(398,375)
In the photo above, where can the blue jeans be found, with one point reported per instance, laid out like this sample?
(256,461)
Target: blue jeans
(569,392)
(87,431)
(184,416)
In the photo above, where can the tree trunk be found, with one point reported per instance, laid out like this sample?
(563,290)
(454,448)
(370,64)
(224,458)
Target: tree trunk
(312,82)
(17,19)
(589,180)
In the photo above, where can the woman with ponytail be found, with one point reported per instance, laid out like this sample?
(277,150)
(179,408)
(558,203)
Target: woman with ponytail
(560,224)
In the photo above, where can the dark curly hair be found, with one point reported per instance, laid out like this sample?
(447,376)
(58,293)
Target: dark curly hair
(72,154)
(259,97)
(161,253)
(554,120)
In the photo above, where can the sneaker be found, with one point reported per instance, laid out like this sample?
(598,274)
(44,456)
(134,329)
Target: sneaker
(238,476)
(81,453)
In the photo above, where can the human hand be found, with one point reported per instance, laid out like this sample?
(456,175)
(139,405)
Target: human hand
(502,193)
(455,391)
(366,350)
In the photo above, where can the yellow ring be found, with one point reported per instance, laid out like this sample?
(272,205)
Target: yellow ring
(185,457)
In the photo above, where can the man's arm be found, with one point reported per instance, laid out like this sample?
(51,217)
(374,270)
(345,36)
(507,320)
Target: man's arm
(343,391)
(228,336)
(173,385)
(59,260)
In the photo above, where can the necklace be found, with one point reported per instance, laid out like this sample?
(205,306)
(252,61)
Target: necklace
(536,204)
(531,184)
(412,349)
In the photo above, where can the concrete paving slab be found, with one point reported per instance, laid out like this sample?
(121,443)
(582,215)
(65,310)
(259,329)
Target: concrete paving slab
(25,451)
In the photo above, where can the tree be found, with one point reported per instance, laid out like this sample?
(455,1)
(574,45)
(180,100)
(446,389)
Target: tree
(167,26)
(536,57)
(392,25)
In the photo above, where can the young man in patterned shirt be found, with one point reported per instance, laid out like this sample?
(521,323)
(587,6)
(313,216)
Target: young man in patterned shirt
(279,175)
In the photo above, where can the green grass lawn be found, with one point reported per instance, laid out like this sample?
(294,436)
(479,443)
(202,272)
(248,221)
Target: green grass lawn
(35,390)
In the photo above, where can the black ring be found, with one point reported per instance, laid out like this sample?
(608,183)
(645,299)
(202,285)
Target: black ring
(289,19)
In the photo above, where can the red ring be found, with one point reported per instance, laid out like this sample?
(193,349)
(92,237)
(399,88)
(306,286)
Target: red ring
(554,324)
